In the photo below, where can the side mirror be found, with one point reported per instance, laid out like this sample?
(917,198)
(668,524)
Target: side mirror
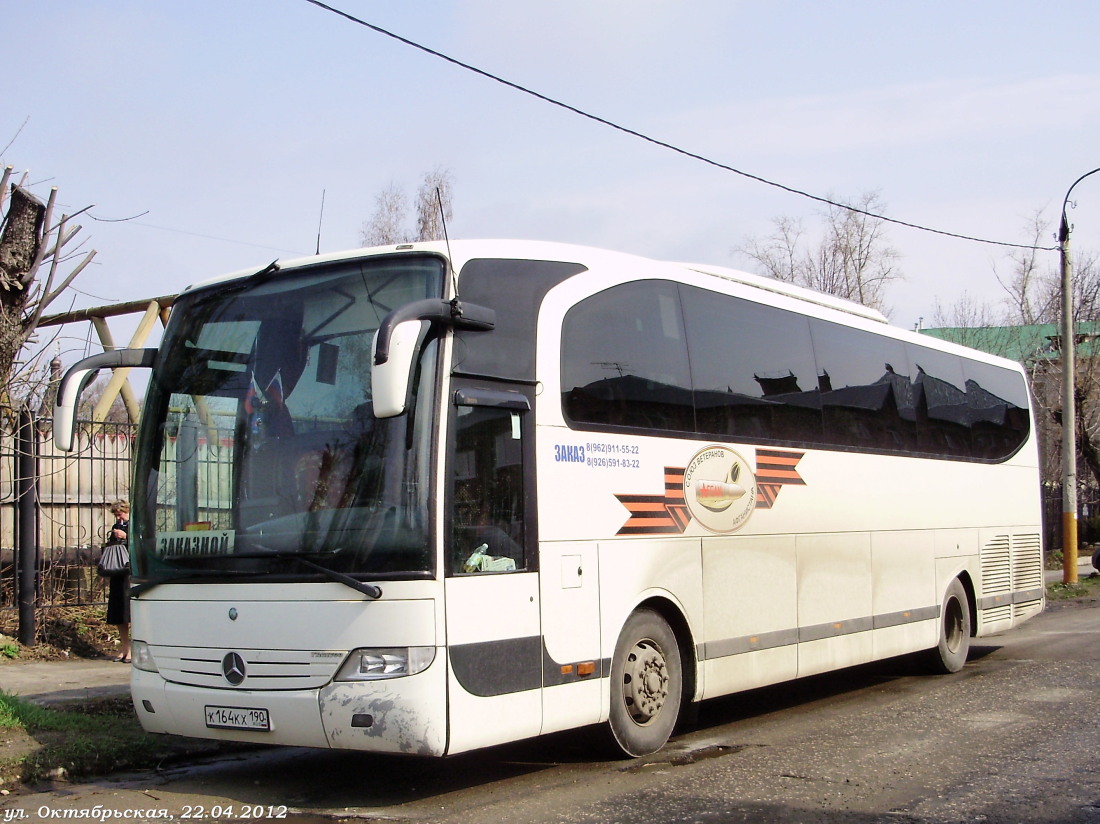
(77,378)
(394,346)
(389,381)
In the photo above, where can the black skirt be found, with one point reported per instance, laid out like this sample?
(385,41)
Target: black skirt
(118,600)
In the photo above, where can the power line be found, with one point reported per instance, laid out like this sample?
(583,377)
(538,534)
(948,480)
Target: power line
(117,219)
(174,230)
(661,143)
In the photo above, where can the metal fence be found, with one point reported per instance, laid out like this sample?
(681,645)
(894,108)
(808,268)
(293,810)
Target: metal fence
(54,509)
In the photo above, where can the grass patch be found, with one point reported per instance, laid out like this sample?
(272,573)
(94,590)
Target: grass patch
(93,737)
(51,742)
(1084,588)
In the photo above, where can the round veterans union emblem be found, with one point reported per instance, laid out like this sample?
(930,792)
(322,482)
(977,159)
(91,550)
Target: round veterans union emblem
(720,489)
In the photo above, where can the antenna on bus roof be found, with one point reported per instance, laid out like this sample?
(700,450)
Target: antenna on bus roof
(319,219)
(447,240)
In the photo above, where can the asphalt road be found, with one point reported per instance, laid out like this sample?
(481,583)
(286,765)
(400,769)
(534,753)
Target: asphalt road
(1012,738)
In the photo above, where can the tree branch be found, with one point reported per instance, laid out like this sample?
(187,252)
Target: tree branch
(50,297)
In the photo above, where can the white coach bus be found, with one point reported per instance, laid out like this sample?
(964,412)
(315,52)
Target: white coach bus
(428,498)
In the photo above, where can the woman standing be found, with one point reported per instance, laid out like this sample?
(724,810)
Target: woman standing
(118,594)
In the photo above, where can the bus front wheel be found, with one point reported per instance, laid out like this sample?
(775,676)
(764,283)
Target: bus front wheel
(647,685)
(949,655)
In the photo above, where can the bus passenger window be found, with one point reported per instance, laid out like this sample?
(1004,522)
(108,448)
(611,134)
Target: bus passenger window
(625,362)
(752,369)
(488,533)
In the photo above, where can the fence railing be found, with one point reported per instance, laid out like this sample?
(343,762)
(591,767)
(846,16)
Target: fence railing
(71,493)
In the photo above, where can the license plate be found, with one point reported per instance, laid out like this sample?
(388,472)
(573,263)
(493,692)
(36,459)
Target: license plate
(237,718)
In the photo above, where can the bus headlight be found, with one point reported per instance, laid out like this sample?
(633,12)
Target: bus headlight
(374,663)
(142,656)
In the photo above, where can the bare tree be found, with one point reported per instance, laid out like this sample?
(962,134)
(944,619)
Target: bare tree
(967,314)
(852,258)
(387,225)
(433,205)
(1033,285)
(30,243)
(780,254)
(1027,287)
(91,396)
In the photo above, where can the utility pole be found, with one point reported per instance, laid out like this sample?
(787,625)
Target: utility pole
(1069,402)
(1069,413)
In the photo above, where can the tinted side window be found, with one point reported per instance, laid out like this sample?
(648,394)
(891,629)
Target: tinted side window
(656,356)
(624,359)
(943,417)
(997,400)
(867,397)
(753,369)
(515,288)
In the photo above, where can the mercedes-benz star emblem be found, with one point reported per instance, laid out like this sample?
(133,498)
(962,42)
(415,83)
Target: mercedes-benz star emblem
(233,668)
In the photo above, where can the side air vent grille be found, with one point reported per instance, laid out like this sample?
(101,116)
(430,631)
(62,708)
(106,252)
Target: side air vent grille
(1027,562)
(997,566)
(1012,579)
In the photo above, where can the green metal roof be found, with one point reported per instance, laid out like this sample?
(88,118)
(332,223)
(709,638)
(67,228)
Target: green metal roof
(1023,344)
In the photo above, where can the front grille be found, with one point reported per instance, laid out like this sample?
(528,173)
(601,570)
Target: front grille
(264,669)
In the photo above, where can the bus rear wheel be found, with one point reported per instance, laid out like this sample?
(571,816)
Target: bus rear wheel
(950,654)
(647,685)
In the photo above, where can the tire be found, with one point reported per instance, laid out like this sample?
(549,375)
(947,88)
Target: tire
(950,654)
(647,685)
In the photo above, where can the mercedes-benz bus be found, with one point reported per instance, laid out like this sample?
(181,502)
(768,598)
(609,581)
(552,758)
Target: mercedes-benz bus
(438,496)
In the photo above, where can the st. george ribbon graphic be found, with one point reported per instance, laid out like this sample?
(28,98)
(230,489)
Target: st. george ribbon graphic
(717,488)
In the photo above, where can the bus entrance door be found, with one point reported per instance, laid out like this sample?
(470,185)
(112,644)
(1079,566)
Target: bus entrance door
(492,591)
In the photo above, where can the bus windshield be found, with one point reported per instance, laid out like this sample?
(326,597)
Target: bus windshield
(260,454)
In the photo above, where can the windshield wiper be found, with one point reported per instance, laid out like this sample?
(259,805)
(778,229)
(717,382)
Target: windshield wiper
(264,274)
(370,590)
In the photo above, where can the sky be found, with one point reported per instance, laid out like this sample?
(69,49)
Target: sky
(220,128)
